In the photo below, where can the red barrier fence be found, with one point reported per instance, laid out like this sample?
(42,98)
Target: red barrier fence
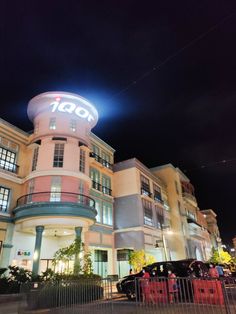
(208,292)
(188,295)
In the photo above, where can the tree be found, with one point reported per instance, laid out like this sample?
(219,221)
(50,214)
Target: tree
(72,252)
(138,259)
(219,256)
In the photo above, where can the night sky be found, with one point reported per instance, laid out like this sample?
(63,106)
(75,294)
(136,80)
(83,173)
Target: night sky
(161,74)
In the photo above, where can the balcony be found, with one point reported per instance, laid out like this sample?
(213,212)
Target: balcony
(189,198)
(146,191)
(102,161)
(105,190)
(55,204)
(157,198)
(9,166)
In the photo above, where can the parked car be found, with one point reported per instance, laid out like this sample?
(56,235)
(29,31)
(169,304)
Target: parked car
(181,268)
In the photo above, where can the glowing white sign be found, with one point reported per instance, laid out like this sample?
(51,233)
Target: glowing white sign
(70,107)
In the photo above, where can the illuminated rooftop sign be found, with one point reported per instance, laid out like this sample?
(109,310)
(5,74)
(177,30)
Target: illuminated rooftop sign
(63,102)
(70,107)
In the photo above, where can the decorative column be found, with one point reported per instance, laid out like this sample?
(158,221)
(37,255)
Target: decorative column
(78,240)
(7,246)
(37,249)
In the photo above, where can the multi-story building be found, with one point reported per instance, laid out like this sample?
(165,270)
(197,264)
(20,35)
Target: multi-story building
(59,182)
(188,222)
(210,217)
(47,178)
(141,212)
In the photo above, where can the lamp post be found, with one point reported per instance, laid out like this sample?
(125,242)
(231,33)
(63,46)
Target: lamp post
(164,246)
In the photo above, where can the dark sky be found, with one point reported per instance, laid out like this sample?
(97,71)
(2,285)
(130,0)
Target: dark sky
(183,112)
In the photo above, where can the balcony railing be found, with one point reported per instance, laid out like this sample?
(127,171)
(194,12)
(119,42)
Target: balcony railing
(9,166)
(157,198)
(146,192)
(42,197)
(102,161)
(97,186)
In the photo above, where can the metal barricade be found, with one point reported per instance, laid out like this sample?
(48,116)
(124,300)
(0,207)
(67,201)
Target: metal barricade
(185,295)
(87,296)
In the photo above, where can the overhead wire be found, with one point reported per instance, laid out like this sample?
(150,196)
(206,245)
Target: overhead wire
(158,66)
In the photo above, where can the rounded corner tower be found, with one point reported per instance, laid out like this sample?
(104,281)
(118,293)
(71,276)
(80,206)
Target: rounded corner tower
(62,113)
(57,199)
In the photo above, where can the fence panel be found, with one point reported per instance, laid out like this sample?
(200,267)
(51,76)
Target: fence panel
(88,296)
(185,295)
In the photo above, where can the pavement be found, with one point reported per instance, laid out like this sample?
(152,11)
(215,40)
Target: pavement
(120,305)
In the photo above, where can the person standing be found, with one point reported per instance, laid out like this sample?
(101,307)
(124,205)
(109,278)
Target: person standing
(172,286)
(145,287)
(213,273)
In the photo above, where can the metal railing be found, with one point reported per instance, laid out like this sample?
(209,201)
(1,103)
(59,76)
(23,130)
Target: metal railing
(99,187)
(185,295)
(82,295)
(9,166)
(56,197)
(102,161)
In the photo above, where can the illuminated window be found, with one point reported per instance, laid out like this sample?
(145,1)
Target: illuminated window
(157,193)
(4,198)
(73,125)
(55,189)
(98,209)
(82,160)
(106,160)
(107,213)
(95,150)
(7,160)
(148,215)
(95,177)
(106,185)
(145,186)
(52,124)
(58,155)
(35,158)
(159,216)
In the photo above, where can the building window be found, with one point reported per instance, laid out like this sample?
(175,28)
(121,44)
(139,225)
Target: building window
(157,193)
(95,150)
(107,214)
(145,187)
(58,155)
(82,160)
(98,209)
(4,198)
(106,160)
(7,160)
(30,191)
(55,189)
(35,158)
(106,185)
(159,217)
(191,215)
(148,215)
(73,125)
(52,124)
(176,187)
(95,177)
